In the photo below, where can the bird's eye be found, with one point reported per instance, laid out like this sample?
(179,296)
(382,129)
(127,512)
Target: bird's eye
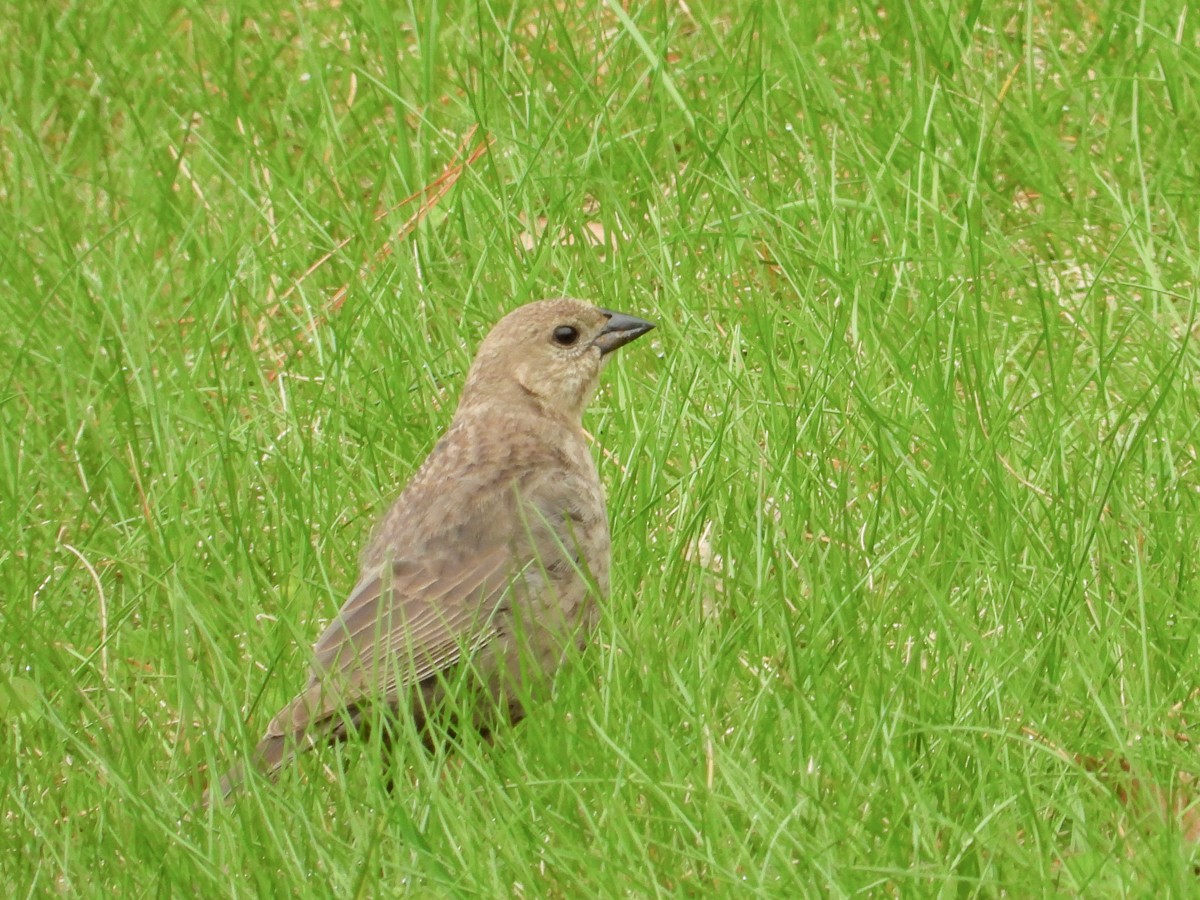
(566,335)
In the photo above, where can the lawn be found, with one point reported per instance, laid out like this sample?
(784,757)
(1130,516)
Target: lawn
(904,487)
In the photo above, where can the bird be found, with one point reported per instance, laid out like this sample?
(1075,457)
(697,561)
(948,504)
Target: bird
(495,556)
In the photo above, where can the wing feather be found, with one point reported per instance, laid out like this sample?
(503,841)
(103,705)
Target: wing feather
(400,627)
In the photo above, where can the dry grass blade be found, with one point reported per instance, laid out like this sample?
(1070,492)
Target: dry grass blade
(1150,803)
(429,196)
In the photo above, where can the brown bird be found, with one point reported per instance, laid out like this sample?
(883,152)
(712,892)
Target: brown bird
(494,555)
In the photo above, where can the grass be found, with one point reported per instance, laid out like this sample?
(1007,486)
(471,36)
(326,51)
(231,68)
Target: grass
(904,489)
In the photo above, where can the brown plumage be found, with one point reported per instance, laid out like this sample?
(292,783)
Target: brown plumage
(493,556)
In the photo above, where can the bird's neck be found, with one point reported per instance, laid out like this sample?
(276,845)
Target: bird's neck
(513,401)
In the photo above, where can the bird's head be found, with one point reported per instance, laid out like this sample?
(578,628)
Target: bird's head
(549,353)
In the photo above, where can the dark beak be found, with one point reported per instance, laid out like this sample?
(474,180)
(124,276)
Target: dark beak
(620,330)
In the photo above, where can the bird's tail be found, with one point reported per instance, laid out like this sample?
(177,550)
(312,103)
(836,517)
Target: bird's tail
(271,754)
(294,730)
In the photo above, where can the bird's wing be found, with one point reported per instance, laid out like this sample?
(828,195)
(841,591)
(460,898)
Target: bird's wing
(411,618)
(402,625)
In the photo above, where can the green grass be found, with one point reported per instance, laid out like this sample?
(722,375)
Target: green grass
(904,488)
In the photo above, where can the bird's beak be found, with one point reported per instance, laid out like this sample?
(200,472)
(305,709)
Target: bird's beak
(620,330)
